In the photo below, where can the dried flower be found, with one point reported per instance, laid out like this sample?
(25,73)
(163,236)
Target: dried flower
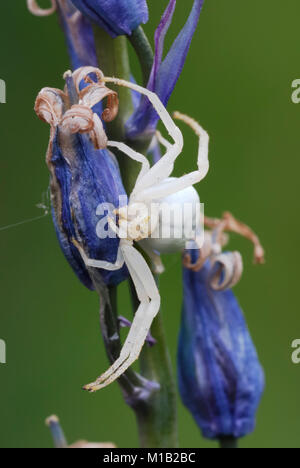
(82,177)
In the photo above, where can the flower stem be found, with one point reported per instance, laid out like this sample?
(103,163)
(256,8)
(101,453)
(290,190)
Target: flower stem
(143,50)
(228,443)
(114,61)
(158,420)
(156,414)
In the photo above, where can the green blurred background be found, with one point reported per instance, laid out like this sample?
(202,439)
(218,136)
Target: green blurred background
(237,82)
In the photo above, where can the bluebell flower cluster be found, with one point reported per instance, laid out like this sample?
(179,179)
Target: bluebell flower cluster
(221,380)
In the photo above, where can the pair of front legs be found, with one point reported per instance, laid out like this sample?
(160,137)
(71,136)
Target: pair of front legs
(152,183)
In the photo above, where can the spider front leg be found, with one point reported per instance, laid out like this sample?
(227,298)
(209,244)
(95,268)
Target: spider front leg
(150,304)
(164,167)
(133,155)
(169,187)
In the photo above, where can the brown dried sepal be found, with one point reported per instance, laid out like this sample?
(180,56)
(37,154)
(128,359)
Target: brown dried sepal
(33,7)
(231,224)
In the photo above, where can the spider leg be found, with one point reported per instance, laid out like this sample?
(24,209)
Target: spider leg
(133,155)
(168,187)
(203,161)
(162,140)
(99,263)
(150,303)
(164,167)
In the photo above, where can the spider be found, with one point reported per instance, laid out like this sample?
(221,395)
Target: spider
(142,217)
(153,184)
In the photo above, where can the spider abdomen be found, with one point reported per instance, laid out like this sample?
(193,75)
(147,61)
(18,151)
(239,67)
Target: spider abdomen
(179,221)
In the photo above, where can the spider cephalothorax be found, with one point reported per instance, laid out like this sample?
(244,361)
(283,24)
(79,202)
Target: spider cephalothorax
(136,221)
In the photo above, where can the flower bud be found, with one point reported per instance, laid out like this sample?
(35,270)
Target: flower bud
(117,17)
(221,380)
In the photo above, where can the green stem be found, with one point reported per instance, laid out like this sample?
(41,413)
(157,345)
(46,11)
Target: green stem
(143,50)
(114,61)
(228,443)
(158,420)
(156,415)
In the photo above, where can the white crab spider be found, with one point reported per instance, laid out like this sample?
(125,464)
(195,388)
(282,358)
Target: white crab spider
(152,184)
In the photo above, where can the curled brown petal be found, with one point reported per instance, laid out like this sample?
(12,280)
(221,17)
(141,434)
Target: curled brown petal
(230,269)
(98,134)
(81,119)
(231,224)
(205,251)
(95,93)
(33,7)
(49,105)
(111,112)
(78,119)
(83,74)
(242,229)
(204,254)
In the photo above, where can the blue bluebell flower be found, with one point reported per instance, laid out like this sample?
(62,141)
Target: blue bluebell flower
(117,17)
(165,73)
(79,35)
(60,440)
(221,380)
(82,179)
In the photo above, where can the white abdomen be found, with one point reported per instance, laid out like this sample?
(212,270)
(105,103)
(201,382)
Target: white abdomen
(179,222)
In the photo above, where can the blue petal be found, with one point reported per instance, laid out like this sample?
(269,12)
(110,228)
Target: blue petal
(79,36)
(221,380)
(117,17)
(165,73)
(86,178)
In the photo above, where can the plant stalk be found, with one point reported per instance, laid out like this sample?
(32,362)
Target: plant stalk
(158,420)
(144,52)
(228,443)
